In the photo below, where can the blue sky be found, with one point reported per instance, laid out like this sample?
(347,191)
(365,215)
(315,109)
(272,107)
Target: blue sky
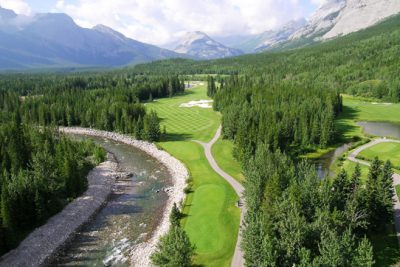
(161,21)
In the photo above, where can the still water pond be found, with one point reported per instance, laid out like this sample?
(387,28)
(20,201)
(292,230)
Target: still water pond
(132,213)
(382,129)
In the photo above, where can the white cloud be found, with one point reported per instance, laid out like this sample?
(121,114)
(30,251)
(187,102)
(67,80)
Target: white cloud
(19,6)
(160,21)
(319,2)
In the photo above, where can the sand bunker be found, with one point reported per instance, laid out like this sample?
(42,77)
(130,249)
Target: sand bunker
(384,104)
(200,104)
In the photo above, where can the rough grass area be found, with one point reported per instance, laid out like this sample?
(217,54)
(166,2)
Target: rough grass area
(385,151)
(211,217)
(223,154)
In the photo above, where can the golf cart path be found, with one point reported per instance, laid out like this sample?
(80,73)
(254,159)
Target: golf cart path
(396,177)
(237,260)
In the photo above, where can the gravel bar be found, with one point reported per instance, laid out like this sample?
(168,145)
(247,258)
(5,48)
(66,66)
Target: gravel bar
(140,254)
(43,244)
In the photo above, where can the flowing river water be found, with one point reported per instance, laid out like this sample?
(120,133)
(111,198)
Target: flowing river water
(131,215)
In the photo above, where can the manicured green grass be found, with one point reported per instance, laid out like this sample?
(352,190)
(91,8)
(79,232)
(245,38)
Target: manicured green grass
(187,123)
(223,154)
(212,219)
(385,151)
(349,167)
(357,109)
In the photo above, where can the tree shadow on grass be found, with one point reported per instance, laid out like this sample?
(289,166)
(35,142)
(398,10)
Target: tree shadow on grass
(176,137)
(386,247)
(344,123)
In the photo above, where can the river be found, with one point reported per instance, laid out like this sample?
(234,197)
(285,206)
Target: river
(131,215)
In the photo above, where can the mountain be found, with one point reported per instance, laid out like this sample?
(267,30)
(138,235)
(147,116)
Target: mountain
(341,17)
(271,39)
(321,21)
(360,14)
(333,19)
(6,14)
(201,46)
(54,40)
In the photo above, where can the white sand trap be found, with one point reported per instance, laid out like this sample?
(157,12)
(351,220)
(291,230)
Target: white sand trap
(384,104)
(200,104)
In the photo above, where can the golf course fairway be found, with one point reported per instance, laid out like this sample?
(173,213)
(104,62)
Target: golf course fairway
(211,216)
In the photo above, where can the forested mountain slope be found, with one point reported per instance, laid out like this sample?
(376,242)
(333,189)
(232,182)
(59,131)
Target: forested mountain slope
(363,63)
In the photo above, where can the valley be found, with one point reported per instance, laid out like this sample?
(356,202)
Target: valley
(268,135)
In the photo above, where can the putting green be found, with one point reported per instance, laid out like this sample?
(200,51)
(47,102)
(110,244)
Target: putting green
(385,151)
(212,219)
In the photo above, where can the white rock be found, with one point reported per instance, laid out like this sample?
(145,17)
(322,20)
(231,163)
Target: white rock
(360,14)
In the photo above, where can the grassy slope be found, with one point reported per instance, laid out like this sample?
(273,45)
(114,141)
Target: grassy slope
(385,151)
(223,154)
(386,247)
(212,219)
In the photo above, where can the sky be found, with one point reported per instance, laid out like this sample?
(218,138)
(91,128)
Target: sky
(160,22)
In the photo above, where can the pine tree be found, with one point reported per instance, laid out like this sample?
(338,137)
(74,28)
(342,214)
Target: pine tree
(174,249)
(387,179)
(151,127)
(355,178)
(375,170)
(175,216)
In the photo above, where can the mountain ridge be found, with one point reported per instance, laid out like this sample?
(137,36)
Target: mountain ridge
(55,40)
(200,45)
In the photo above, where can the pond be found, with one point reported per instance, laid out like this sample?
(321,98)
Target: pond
(131,215)
(382,129)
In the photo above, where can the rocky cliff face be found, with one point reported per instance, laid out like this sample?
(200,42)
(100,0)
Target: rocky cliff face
(361,14)
(201,46)
(321,21)
(341,17)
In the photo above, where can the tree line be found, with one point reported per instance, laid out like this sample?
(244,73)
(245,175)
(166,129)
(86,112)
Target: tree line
(296,219)
(282,114)
(41,171)
(364,63)
(119,108)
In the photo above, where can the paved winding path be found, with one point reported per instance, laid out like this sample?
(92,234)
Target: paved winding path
(237,260)
(396,177)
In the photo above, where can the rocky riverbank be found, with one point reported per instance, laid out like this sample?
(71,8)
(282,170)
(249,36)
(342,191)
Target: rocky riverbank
(140,255)
(43,244)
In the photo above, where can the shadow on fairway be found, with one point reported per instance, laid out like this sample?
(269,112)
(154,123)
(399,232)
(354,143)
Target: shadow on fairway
(177,137)
(344,122)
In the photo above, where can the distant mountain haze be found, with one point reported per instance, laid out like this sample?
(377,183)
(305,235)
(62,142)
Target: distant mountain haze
(200,45)
(54,40)
(51,40)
